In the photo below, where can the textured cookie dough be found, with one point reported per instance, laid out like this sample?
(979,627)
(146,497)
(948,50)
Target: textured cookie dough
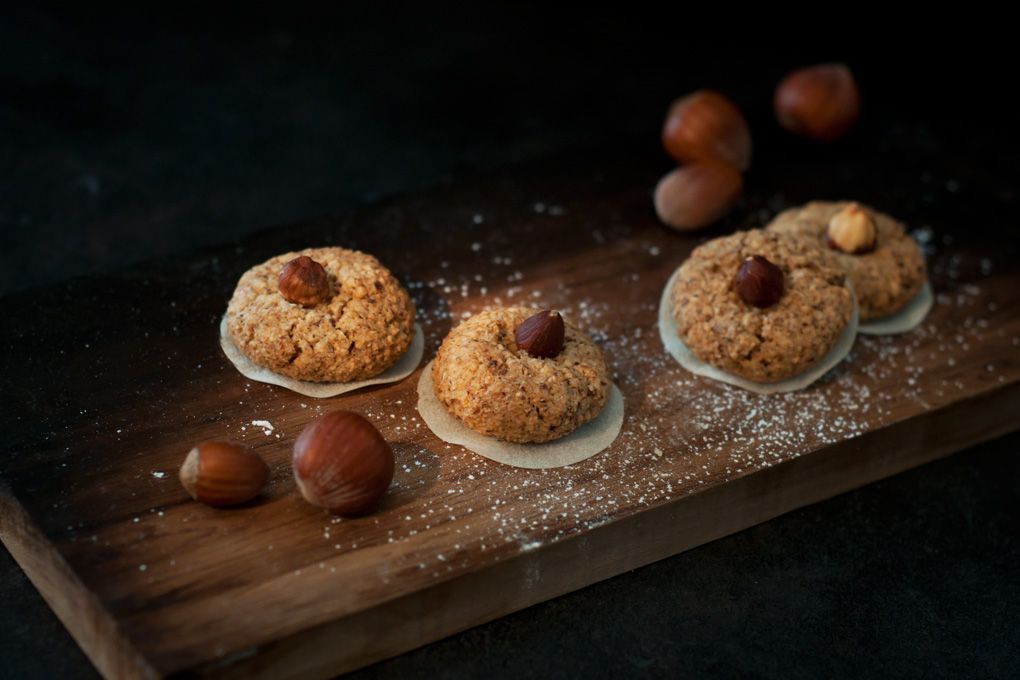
(886,279)
(499,390)
(362,330)
(761,345)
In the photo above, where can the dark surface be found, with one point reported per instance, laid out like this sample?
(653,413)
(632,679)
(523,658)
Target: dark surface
(131,137)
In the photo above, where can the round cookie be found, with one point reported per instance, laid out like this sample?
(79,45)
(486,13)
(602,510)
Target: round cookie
(483,378)
(363,329)
(761,345)
(886,279)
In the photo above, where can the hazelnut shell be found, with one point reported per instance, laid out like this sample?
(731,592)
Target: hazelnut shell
(221,474)
(820,102)
(758,282)
(304,282)
(541,335)
(697,195)
(342,463)
(707,126)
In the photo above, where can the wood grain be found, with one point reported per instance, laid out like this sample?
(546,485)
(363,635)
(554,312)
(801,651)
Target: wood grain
(124,374)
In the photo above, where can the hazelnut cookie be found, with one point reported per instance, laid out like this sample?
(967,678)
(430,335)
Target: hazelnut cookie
(321,315)
(515,386)
(760,306)
(885,265)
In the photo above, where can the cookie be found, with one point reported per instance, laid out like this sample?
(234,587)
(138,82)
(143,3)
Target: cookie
(886,278)
(761,345)
(485,380)
(675,347)
(588,440)
(364,327)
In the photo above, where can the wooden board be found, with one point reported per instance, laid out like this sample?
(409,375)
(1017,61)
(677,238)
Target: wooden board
(109,381)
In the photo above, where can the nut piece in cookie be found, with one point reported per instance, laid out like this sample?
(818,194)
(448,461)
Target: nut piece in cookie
(484,377)
(886,276)
(759,282)
(361,329)
(852,230)
(541,335)
(303,281)
(804,304)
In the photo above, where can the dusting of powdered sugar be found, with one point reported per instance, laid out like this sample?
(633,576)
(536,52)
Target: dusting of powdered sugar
(449,509)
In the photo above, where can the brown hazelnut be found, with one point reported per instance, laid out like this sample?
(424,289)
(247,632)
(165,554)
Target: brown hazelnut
(342,463)
(759,282)
(303,281)
(820,102)
(706,126)
(852,230)
(541,335)
(223,473)
(696,195)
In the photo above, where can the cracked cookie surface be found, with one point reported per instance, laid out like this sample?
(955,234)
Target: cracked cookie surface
(483,378)
(885,279)
(362,330)
(762,345)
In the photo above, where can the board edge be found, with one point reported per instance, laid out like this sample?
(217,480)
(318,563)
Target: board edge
(94,629)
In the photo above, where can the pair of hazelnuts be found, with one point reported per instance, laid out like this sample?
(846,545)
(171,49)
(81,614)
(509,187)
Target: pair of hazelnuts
(759,282)
(341,463)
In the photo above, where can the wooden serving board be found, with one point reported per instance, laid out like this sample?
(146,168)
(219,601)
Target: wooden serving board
(109,381)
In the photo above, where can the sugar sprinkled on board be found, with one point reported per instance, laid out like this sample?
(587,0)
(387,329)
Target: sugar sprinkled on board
(449,508)
(265,425)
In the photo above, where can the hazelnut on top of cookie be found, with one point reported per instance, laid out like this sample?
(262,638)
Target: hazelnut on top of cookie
(542,334)
(885,265)
(350,321)
(771,324)
(852,230)
(759,282)
(485,377)
(304,281)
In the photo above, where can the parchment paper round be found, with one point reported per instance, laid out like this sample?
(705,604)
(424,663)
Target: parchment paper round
(249,369)
(907,319)
(685,357)
(584,442)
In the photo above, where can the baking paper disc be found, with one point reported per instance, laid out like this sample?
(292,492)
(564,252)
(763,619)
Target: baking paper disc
(584,442)
(322,390)
(907,319)
(685,357)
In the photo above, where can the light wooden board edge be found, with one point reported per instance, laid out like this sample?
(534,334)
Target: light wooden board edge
(432,614)
(91,626)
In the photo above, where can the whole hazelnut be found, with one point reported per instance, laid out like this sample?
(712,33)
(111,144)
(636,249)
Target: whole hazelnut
(759,282)
(696,195)
(706,126)
(304,281)
(342,463)
(223,473)
(821,102)
(542,334)
(852,230)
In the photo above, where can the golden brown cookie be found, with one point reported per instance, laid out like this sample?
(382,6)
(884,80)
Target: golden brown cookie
(497,389)
(886,278)
(769,344)
(362,329)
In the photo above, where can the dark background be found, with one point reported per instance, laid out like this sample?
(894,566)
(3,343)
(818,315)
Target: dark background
(128,136)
